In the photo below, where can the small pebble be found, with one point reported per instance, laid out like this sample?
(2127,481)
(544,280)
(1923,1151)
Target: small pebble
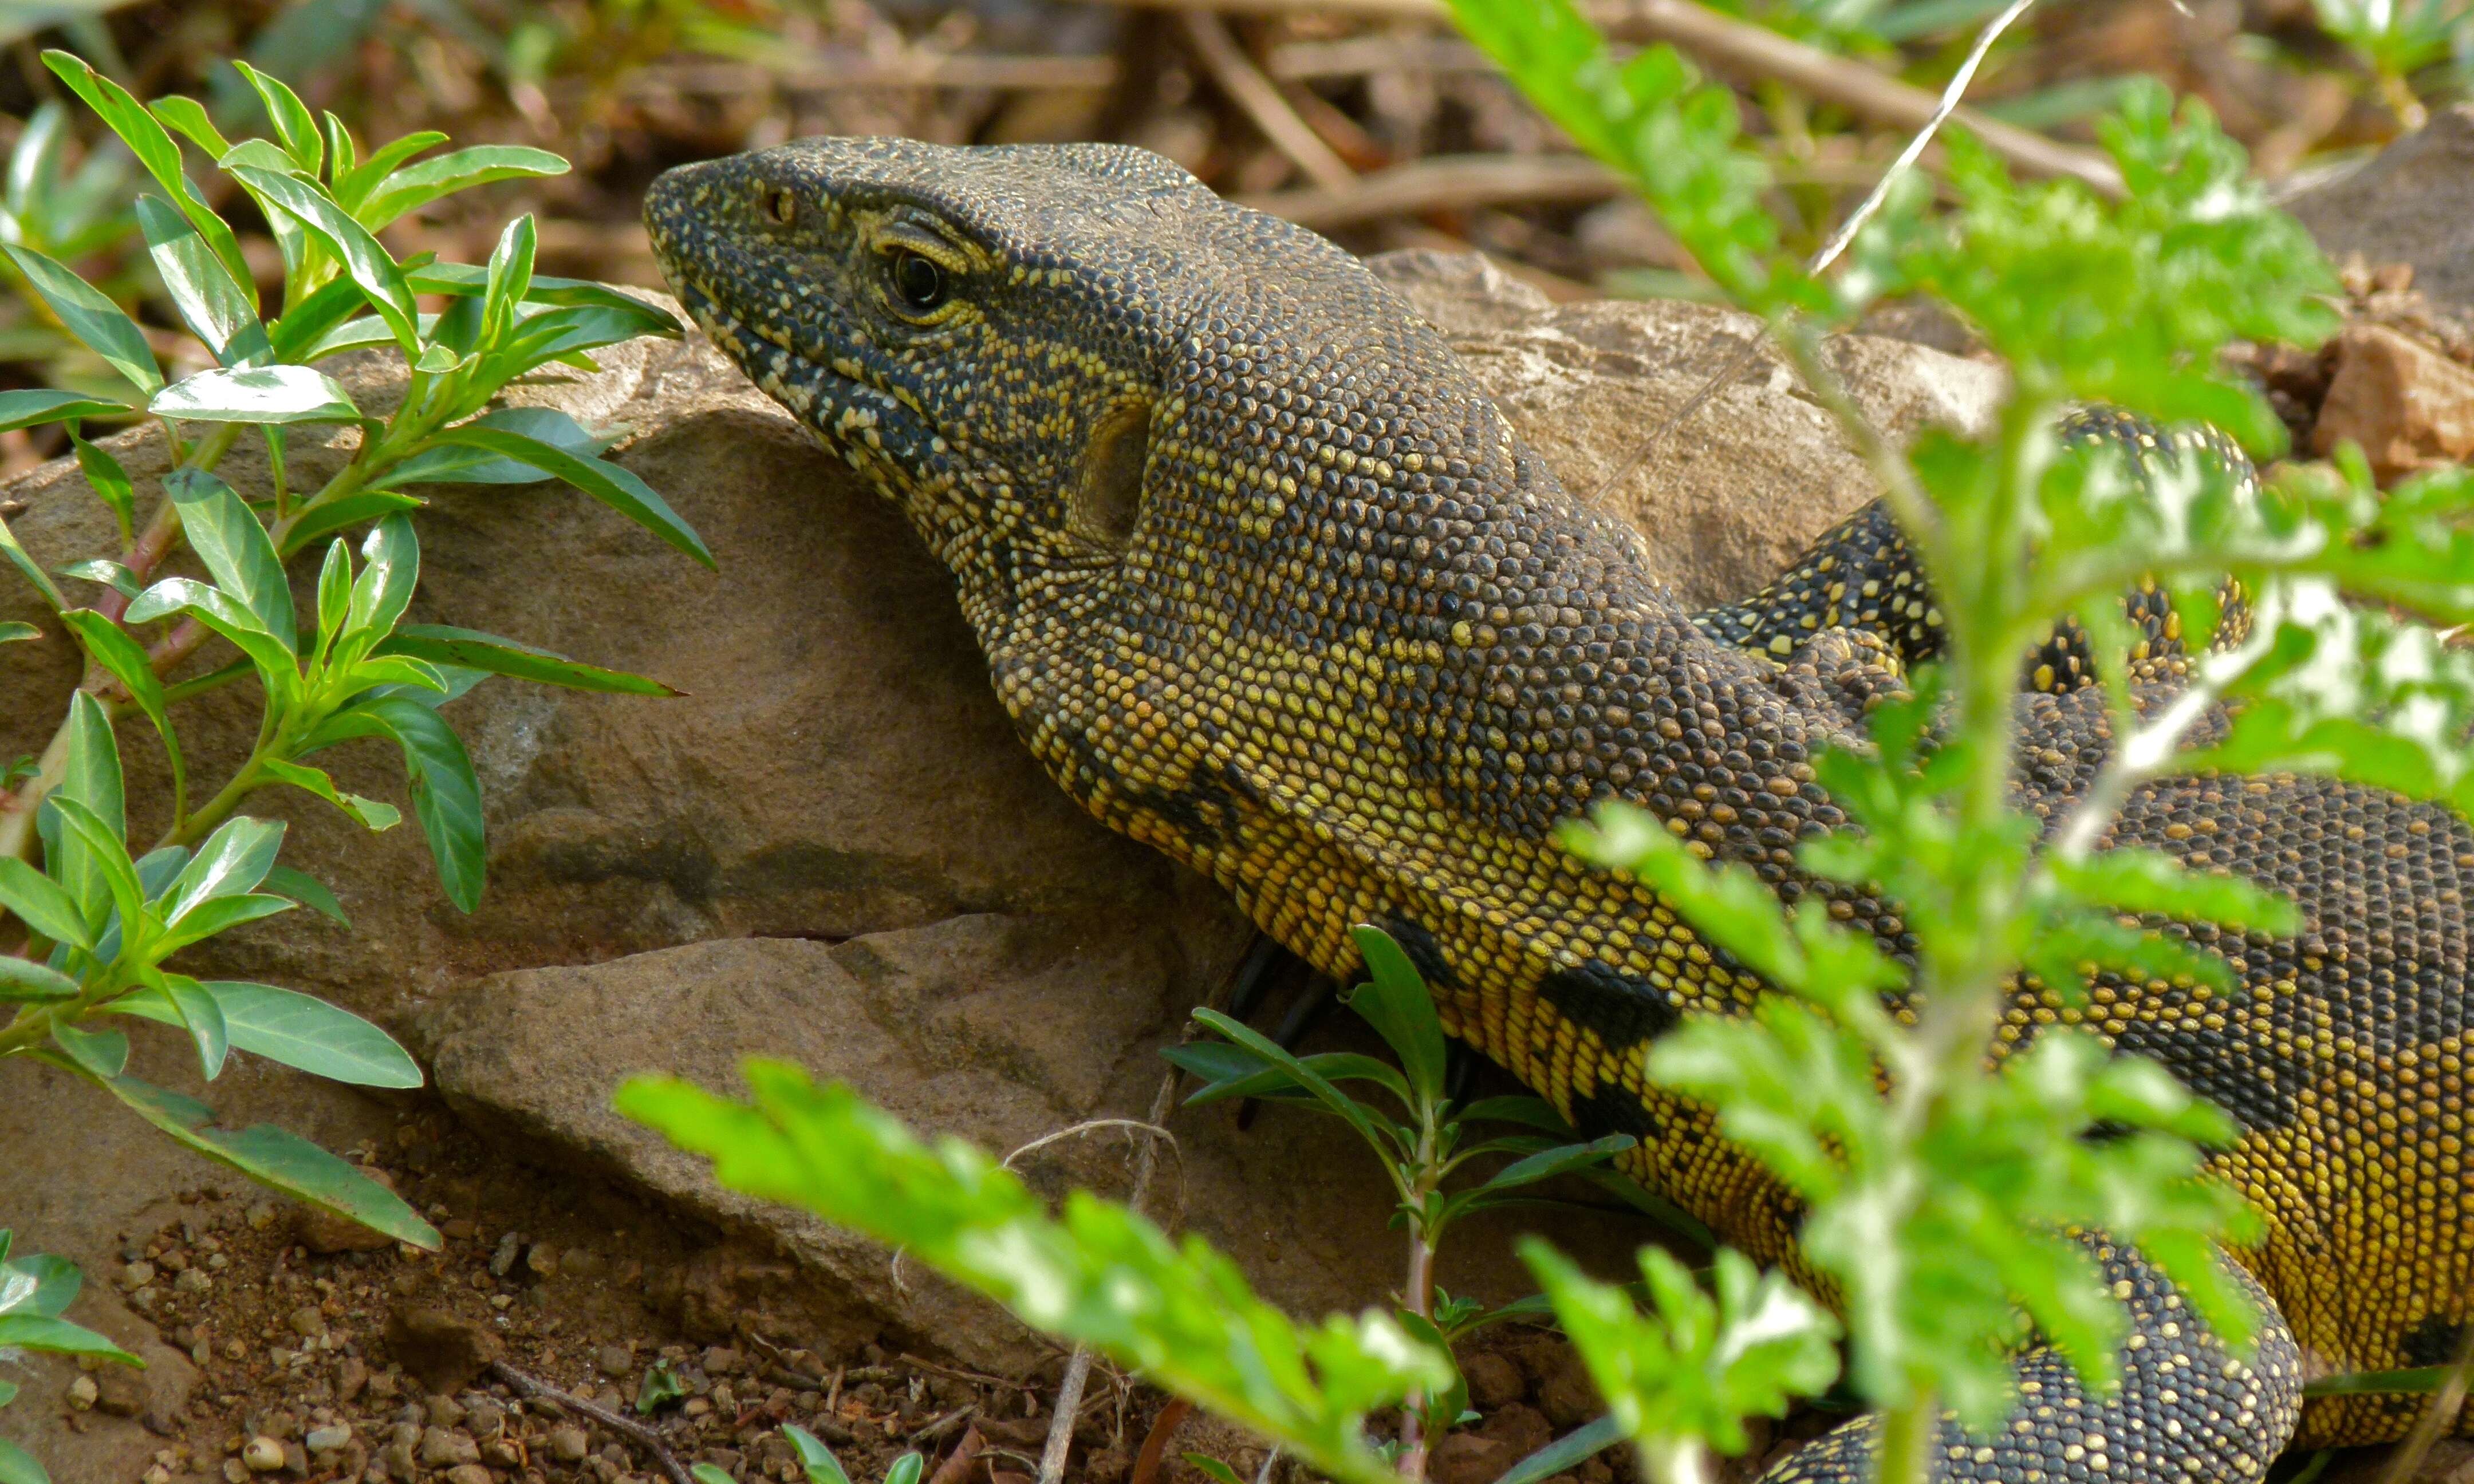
(193,1280)
(502,1262)
(262,1454)
(614,1360)
(82,1393)
(306,1322)
(568,1445)
(328,1439)
(137,1275)
(444,1412)
(444,1447)
(469,1474)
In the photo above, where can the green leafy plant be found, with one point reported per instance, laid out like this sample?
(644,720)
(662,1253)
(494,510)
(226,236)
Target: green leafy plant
(1420,1151)
(2397,39)
(101,922)
(34,1288)
(79,215)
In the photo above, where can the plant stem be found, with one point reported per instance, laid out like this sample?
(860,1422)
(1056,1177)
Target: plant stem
(1905,1433)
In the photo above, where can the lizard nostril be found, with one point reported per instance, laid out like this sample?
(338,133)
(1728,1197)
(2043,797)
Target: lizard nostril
(785,207)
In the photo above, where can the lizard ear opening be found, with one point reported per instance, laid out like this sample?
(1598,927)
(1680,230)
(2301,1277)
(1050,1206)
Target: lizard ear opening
(1109,498)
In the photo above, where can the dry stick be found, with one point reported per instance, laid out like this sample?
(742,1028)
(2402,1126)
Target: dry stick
(625,1426)
(1445,181)
(1838,243)
(1743,48)
(1078,1369)
(1236,75)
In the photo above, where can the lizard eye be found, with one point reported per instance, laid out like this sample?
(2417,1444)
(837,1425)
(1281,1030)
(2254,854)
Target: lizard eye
(919,280)
(785,207)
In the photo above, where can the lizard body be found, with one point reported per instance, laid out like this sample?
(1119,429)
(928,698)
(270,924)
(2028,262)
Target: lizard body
(1266,581)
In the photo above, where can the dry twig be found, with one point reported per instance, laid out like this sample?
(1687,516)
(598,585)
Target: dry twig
(628,1427)
(1236,75)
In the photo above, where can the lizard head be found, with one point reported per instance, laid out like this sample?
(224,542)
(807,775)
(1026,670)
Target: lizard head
(987,335)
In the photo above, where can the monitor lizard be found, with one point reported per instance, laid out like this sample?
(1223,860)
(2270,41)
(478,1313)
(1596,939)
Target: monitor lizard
(1267,582)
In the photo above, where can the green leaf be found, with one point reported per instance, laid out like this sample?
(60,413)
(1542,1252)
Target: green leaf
(415,186)
(298,1030)
(368,813)
(217,310)
(32,570)
(2150,881)
(1397,1004)
(1547,1164)
(612,486)
(203,1018)
(189,117)
(111,646)
(236,548)
(1231,1072)
(392,558)
(319,519)
(19,1467)
(275,664)
(1213,1468)
(306,890)
(1577,1446)
(154,149)
(511,277)
(113,486)
(307,324)
(257,394)
(231,863)
(14,632)
(365,262)
(710,1474)
(92,779)
(23,979)
(446,797)
(444,645)
(30,1332)
(659,1387)
(1352,1112)
(279,1159)
(218,915)
(1697,1364)
(34,407)
(453,464)
(99,849)
(102,325)
(353,186)
(294,124)
(467,279)
(818,1460)
(42,904)
(905,1469)
(96,1053)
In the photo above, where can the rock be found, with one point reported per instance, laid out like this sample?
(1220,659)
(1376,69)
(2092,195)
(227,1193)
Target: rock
(262,1454)
(81,1394)
(568,1445)
(469,1474)
(306,1320)
(2412,202)
(614,1360)
(328,1439)
(440,1349)
(1493,1381)
(1731,494)
(1520,1428)
(1467,1458)
(444,1447)
(2409,407)
(322,1231)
